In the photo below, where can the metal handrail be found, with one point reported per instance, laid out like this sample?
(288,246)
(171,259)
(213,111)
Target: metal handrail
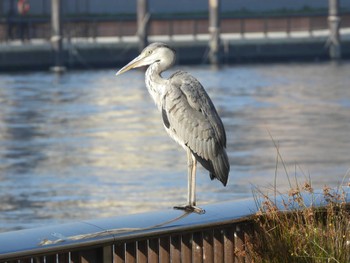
(65,237)
(185,16)
(133,229)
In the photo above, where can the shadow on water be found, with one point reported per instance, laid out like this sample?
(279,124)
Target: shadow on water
(87,144)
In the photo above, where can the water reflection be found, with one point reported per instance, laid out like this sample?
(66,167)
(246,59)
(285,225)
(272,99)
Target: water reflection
(88,144)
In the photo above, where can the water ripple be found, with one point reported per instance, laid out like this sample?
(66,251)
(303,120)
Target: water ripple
(88,144)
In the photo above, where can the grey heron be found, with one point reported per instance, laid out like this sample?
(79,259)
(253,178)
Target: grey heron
(188,115)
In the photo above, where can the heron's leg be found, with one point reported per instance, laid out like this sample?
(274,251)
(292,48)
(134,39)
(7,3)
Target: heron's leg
(192,167)
(191,195)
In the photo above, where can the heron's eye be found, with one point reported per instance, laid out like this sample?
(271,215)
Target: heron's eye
(149,52)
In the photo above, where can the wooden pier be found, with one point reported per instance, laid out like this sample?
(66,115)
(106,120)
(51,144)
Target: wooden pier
(111,43)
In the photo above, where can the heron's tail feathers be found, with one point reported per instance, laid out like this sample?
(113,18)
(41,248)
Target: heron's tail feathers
(218,167)
(221,168)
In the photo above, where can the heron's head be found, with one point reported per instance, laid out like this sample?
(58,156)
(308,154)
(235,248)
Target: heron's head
(153,53)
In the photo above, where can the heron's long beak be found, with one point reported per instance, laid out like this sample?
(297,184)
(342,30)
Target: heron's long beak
(135,63)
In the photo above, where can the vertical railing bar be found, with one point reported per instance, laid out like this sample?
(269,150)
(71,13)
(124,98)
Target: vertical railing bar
(64,258)
(45,259)
(196,28)
(153,250)
(310,25)
(119,253)
(288,26)
(218,244)
(266,26)
(228,245)
(175,249)
(113,253)
(208,255)
(239,243)
(130,252)
(248,234)
(171,29)
(186,248)
(141,251)
(164,249)
(107,254)
(242,27)
(90,255)
(197,247)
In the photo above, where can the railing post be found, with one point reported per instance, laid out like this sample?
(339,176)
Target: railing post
(288,30)
(310,26)
(334,25)
(214,31)
(242,27)
(195,28)
(171,28)
(142,23)
(56,36)
(266,26)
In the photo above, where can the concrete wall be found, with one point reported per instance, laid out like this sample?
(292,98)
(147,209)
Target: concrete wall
(39,7)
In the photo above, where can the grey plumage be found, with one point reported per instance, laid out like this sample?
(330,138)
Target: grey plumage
(191,115)
(188,114)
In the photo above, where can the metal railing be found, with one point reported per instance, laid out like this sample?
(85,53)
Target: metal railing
(168,236)
(93,27)
(221,234)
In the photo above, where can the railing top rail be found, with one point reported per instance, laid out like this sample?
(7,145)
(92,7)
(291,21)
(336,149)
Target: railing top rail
(199,16)
(92,233)
(101,231)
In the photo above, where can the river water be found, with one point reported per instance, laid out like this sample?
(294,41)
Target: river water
(88,144)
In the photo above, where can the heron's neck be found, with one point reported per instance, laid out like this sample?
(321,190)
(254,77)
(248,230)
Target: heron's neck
(156,85)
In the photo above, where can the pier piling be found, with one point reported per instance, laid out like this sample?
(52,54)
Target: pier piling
(56,36)
(214,32)
(143,17)
(334,25)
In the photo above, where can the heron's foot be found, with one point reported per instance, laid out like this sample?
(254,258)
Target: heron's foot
(190,208)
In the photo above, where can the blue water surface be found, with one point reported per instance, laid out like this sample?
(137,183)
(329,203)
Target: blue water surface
(88,144)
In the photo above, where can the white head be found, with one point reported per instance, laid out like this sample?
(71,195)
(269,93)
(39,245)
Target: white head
(158,53)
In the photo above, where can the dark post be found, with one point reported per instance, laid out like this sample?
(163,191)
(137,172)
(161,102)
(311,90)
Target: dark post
(56,36)
(214,31)
(142,23)
(334,24)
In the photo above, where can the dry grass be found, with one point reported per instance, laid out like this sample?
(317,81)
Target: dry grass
(292,229)
(301,226)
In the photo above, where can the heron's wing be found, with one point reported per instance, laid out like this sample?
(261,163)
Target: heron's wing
(192,120)
(199,102)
